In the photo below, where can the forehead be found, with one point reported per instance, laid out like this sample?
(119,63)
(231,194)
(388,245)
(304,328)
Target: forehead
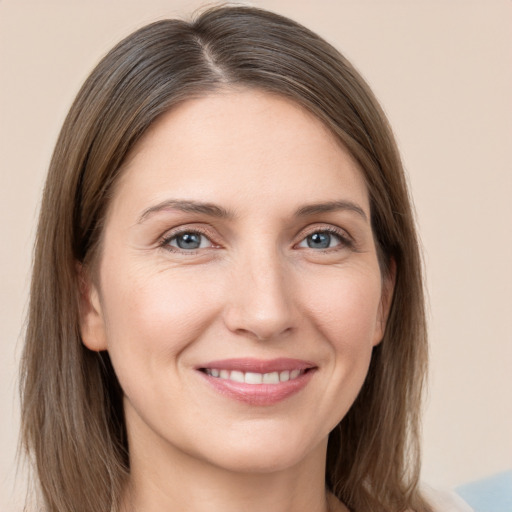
(240,144)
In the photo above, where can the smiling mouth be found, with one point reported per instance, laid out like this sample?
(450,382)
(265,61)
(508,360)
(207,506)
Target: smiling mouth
(254,377)
(258,382)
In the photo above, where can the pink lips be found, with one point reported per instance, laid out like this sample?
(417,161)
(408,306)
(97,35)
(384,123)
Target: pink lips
(260,393)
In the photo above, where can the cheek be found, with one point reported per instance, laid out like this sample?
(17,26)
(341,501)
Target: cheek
(152,317)
(345,307)
(345,311)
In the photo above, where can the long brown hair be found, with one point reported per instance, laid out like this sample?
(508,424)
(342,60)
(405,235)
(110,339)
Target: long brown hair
(72,418)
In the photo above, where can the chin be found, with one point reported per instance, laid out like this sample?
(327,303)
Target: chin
(264,455)
(257,464)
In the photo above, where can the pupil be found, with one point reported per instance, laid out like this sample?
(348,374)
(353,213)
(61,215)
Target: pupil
(189,241)
(319,240)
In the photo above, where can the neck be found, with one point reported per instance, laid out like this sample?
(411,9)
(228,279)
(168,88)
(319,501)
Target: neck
(179,481)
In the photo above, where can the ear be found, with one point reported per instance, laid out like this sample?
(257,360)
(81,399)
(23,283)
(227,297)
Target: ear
(388,288)
(92,323)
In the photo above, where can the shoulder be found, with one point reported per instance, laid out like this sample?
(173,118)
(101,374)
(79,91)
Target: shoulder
(445,501)
(441,501)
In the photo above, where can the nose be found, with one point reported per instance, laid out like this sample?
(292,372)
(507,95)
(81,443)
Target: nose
(260,298)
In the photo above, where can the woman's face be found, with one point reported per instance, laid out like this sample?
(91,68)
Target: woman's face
(238,290)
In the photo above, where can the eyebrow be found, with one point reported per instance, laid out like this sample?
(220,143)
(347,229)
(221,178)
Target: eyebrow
(214,210)
(187,206)
(331,206)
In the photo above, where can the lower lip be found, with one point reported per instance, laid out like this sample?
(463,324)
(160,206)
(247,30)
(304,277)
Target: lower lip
(259,394)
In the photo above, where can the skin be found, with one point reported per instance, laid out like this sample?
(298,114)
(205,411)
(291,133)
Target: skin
(254,288)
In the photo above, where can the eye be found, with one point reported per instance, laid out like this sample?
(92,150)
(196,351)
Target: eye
(188,241)
(323,239)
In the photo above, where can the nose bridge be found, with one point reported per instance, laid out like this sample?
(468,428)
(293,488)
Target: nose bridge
(261,298)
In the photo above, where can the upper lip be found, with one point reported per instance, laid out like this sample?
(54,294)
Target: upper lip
(258,365)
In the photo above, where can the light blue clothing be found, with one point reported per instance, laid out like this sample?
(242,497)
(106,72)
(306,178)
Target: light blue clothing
(492,494)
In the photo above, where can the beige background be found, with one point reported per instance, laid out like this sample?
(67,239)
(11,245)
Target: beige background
(443,72)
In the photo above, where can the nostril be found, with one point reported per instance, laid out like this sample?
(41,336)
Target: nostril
(266,333)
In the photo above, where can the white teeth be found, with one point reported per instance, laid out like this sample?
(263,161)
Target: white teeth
(237,376)
(271,378)
(253,377)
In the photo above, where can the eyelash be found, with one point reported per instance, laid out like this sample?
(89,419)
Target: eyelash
(344,240)
(169,237)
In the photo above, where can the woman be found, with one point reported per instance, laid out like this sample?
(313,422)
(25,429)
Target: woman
(226,307)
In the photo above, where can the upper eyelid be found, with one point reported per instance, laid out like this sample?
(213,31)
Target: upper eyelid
(165,239)
(341,232)
(189,228)
(346,240)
